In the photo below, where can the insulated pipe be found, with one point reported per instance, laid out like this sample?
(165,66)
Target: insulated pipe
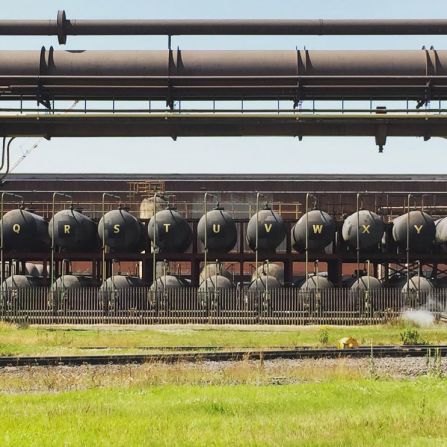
(62,27)
(258,75)
(220,63)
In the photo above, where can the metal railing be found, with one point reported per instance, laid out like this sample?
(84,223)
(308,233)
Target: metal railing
(141,305)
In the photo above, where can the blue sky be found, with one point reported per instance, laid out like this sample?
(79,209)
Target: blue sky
(227,155)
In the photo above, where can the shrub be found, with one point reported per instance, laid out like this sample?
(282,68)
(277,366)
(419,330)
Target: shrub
(323,336)
(412,337)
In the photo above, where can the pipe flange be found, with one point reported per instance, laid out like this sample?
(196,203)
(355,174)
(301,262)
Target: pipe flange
(61,21)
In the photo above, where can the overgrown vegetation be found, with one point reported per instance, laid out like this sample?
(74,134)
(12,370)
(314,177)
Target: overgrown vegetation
(323,336)
(36,340)
(411,336)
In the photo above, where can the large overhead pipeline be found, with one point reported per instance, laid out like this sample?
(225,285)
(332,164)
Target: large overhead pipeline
(223,75)
(62,27)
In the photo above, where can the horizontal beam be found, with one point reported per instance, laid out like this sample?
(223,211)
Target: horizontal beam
(215,125)
(63,27)
(231,257)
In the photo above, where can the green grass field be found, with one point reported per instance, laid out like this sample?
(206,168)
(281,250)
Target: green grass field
(283,403)
(16,340)
(333,413)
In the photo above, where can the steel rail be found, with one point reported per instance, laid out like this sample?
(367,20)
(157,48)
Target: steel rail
(63,27)
(222,356)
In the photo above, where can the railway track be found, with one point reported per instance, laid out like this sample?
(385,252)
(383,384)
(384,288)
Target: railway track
(220,356)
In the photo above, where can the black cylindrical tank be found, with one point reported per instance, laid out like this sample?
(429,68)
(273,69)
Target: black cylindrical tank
(367,225)
(320,230)
(271,230)
(173,233)
(422,231)
(24,231)
(264,283)
(221,231)
(73,231)
(123,231)
(441,232)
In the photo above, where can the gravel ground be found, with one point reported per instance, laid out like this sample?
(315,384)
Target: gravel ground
(61,378)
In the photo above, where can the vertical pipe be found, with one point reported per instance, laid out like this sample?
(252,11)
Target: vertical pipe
(267,283)
(5,193)
(258,194)
(55,194)
(205,243)
(358,237)
(308,195)
(408,243)
(418,263)
(205,248)
(368,263)
(104,270)
(154,246)
(307,241)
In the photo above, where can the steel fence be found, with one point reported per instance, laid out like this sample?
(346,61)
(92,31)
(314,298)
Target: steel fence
(141,305)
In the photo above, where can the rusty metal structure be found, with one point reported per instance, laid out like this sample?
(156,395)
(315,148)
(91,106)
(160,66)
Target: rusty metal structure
(193,85)
(177,77)
(336,194)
